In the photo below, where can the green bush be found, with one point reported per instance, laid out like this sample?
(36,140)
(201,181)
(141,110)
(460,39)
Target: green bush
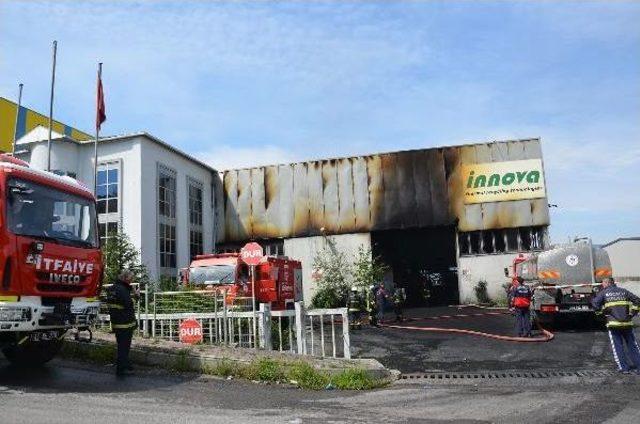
(329,297)
(481,292)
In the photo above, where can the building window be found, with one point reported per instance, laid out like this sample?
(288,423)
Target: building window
(506,240)
(195,218)
(167,219)
(107,188)
(108,199)
(167,237)
(275,248)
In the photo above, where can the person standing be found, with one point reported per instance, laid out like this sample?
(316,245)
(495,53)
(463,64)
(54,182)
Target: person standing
(355,308)
(123,319)
(381,296)
(619,306)
(399,297)
(520,300)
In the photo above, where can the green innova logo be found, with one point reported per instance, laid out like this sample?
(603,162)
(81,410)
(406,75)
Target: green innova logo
(494,180)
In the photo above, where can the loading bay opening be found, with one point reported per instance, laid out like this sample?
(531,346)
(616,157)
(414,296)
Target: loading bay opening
(422,261)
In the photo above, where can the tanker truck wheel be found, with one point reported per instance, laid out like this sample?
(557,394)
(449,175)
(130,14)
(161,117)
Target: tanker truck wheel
(31,354)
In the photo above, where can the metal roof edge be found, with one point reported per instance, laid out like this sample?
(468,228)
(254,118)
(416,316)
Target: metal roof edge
(620,239)
(522,140)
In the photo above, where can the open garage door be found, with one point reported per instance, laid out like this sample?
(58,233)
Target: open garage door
(423,261)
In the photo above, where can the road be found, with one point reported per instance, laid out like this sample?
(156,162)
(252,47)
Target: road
(577,345)
(68,392)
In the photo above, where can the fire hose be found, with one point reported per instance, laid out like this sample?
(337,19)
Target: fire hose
(545,337)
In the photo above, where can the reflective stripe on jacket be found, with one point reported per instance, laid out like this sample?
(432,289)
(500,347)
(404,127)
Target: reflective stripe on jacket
(619,306)
(120,304)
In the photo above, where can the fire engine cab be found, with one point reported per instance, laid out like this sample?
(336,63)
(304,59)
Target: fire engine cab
(278,280)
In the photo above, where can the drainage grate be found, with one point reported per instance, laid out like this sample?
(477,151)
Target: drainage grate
(500,375)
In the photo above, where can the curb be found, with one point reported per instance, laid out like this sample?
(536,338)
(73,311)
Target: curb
(179,357)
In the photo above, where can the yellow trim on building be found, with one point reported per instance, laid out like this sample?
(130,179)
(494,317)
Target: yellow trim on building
(29,120)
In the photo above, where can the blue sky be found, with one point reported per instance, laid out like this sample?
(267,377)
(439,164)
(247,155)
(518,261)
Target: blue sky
(248,83)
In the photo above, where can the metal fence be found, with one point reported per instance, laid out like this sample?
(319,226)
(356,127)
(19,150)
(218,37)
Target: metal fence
(231,321)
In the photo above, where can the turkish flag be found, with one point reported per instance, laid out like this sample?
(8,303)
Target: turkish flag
(101,114)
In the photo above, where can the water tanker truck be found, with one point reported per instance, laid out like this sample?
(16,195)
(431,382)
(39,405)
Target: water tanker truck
(564,279)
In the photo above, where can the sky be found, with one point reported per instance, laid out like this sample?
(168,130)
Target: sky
(253,83)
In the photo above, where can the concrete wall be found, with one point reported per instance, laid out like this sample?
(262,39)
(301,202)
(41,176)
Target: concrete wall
(304,249)
(490,268)
(625,259)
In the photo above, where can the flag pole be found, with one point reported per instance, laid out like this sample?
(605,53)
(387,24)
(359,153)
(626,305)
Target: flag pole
(95,144)
(53,81)
(15,131)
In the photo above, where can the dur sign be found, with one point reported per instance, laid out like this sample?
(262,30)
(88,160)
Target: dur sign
(503,181)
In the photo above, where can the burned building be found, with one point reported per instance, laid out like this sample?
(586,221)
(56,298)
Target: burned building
(443,219)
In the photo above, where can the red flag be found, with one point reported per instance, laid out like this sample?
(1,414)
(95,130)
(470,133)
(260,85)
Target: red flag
(101,114)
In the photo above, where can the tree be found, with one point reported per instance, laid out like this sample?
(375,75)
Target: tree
(119,254)
(334,276)
(367,269)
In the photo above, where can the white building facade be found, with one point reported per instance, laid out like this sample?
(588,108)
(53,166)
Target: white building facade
(159,196)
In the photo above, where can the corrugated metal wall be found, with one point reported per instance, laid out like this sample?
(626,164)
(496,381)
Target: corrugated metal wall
(409,189)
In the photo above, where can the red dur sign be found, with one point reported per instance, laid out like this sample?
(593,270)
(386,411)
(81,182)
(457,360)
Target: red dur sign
(251,254)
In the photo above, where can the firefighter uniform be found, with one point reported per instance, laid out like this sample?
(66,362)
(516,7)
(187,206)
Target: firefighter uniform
(355,308)
(399,297)
(620,306)
(123,321)
(520,301)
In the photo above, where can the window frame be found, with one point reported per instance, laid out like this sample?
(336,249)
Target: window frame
(167,221)
(110,217)
(195,229)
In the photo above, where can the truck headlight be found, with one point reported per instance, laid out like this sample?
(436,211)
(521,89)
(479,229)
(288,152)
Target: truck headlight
(15,313)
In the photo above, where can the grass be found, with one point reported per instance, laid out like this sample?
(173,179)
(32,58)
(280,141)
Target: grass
(181,362)
(300,373)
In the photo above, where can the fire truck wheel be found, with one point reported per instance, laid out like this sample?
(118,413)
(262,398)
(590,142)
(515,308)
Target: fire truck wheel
(30,354)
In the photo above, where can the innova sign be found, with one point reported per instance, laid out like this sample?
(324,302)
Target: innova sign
(503,181)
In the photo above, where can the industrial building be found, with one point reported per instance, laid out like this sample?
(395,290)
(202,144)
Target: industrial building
(443,219)
(624,254)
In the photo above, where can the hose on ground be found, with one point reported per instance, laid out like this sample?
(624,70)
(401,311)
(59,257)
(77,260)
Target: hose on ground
(545,337)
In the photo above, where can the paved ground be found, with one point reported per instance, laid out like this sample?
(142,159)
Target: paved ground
(70,393)
(576,346)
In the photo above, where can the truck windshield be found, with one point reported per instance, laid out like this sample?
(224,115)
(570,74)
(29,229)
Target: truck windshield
(212,274)
(41,211)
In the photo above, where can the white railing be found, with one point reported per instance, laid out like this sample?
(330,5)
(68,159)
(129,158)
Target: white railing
(315,332)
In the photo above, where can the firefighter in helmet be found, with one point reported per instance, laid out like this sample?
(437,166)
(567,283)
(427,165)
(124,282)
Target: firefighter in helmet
(398,299)
(520,301)
(123,318)
(355,308)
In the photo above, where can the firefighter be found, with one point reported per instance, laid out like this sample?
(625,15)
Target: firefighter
(619,306)
(519,301)
(355,308)
(398,298)
(123,319)
(381,297)
(371,306)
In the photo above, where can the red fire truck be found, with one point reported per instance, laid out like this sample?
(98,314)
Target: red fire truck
(278,279)
(50,260)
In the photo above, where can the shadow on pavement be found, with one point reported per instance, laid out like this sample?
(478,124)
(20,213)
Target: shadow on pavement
(62,376)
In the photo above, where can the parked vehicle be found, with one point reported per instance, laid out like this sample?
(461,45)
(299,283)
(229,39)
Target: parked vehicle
(50,261)
(564,279)
(278,279)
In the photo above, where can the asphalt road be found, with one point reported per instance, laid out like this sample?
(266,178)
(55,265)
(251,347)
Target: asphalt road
(69,393)
(577,345)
